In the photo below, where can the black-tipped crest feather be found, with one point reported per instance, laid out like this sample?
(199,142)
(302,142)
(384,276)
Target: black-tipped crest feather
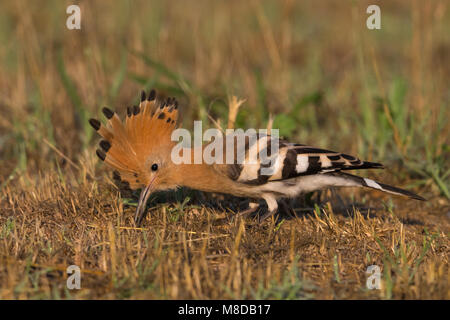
(95,124)
(108,112)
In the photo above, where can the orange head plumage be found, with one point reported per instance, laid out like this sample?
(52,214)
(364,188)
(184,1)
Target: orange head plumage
(139,149)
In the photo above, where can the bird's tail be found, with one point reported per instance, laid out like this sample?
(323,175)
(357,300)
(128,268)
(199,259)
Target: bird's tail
(365,182)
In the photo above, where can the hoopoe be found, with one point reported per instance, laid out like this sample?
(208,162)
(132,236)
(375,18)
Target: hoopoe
(140,152)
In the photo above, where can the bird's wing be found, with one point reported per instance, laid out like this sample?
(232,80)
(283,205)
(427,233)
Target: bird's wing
(291,160)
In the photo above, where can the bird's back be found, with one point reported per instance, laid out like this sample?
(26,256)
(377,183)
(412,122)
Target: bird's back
(260,159)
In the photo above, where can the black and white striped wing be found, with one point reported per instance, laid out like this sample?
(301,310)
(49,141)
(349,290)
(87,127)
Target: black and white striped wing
(305,160)
(291,160)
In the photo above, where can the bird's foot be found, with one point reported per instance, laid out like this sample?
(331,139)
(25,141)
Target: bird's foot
(253,206)
(266,215)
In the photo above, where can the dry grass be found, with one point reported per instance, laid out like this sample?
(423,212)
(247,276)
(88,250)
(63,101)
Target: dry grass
(198,252)
(327,81)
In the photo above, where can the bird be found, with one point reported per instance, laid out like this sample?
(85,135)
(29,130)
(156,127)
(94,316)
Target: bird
(139,150)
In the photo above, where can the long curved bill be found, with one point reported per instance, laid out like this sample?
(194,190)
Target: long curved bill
(140,211)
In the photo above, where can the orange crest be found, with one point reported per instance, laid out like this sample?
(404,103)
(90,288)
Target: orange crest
(147,130)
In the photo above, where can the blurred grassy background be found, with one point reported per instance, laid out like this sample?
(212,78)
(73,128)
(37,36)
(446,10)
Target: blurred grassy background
(315,66)
(326,78)
(312,65)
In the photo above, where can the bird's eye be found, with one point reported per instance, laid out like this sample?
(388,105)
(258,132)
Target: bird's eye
(154,167)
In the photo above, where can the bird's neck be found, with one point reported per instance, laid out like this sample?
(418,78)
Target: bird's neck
(200,176)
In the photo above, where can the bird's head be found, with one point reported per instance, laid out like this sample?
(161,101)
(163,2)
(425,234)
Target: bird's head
(140,149)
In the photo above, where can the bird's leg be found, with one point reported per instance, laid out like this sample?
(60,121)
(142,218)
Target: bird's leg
(272,207)
(287,208)
(253,206)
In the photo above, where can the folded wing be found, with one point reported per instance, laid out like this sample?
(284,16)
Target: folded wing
(289,161)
